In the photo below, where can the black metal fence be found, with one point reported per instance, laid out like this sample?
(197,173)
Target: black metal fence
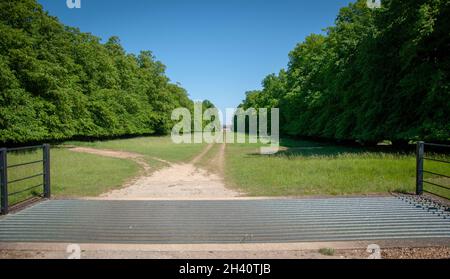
(6,185)
(421,171)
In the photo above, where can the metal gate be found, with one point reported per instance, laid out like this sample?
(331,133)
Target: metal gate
(22,194)
(421,171)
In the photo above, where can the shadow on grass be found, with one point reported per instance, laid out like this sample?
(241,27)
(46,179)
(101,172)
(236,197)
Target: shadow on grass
(296,148)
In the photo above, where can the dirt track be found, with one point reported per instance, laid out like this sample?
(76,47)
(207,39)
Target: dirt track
(174,182)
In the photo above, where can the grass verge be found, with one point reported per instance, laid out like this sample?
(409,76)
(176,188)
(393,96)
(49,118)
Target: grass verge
(86,175)
(72,174)
(158,147)
(304,168)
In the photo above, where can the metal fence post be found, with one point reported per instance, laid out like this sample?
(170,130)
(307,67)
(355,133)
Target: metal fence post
(46,159)
(420,154)
(4,181)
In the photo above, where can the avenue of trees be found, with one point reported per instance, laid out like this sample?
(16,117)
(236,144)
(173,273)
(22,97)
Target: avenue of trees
(378,74)
(57,83)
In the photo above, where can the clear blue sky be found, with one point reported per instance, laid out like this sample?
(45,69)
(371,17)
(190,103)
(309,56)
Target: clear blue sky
(216,49)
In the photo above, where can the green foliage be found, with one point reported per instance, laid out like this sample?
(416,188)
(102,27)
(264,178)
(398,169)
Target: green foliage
(57,83)
(381,74)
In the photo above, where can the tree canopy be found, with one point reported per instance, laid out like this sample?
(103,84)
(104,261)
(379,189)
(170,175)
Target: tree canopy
(58,83)
(378,74)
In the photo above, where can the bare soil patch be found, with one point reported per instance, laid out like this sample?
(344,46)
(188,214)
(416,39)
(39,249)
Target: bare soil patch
(391,253)
(175,182)
(180,181)
(417,253)
(138,158)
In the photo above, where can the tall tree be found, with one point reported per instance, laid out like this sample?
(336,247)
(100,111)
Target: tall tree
(57,83)
(378,74)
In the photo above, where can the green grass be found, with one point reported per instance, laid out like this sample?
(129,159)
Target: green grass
(208,160)
(301,169)
(72,174)
(159,147)
(86,175)
(307,168)
(327,251)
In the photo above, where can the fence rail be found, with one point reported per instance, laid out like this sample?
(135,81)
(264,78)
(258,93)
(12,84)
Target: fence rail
(420,179)
(5,194)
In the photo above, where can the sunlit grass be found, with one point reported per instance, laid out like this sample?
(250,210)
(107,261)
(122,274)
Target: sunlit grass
(208,161)
(301,168)
(86,175)
(304,168)
(72,174)
(159,147)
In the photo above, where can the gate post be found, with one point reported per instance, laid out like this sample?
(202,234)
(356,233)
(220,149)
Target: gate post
(4,181)
(46,160)
(420,154)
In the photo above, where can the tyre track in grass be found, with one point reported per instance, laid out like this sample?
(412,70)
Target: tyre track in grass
(180,181)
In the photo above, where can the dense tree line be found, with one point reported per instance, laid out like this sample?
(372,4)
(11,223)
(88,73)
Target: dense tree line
(58,83)
(378,74)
